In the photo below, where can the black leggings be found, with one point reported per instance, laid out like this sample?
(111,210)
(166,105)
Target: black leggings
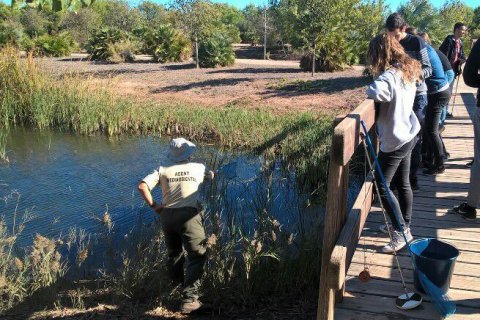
(431,136)
(397,162)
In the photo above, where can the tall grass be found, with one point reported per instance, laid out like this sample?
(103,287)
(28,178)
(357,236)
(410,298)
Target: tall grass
(24,273)
(32,97)
(247,265)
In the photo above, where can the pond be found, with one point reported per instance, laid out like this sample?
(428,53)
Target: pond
(66,181)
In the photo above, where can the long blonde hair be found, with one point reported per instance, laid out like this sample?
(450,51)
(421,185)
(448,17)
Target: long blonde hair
(385,52)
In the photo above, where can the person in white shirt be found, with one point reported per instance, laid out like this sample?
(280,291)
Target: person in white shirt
(180,215)
(393,90)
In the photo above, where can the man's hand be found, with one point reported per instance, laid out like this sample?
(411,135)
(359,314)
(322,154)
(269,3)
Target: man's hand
(210,175)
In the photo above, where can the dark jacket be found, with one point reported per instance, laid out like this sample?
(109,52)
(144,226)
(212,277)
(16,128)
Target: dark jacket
(448,48)
(472,67)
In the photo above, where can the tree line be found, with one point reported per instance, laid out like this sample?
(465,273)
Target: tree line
(330,34)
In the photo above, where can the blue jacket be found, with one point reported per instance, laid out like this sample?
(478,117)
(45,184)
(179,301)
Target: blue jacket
(437,81)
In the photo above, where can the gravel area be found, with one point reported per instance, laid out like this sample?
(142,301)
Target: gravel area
(275,85)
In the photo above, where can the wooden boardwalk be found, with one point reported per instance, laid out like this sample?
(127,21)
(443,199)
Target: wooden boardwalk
(376,299)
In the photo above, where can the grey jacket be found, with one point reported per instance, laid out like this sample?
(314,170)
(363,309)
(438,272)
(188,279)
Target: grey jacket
(396,121)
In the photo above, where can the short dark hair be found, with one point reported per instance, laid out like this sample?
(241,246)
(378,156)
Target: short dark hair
(458,25)
(395,21)
(412,30)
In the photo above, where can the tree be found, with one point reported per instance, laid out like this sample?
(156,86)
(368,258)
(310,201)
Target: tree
(366,22)
(117,14)
(153,14)
(454,11)
(422,15)
(251,28)
(318,19)
(476,19)
(197,17)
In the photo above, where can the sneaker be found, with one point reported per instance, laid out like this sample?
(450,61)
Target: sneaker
(190,306)
(465,211)
(469,164)
(434,171)
(446,156)
(398,241)
(449,115)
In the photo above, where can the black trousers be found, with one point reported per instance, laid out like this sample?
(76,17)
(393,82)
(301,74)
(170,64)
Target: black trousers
(431,136)
(397,163)
(419,108)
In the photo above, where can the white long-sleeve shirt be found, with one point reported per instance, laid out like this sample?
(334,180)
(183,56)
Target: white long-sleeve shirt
(396,121)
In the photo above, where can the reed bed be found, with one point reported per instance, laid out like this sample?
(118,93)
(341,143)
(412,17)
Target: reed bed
(34,98)
(248,265)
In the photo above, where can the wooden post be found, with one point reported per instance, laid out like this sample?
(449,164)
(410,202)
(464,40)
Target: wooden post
(334,219)
(345,139)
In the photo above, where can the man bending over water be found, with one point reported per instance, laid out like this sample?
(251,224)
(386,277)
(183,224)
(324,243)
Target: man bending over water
(180,216)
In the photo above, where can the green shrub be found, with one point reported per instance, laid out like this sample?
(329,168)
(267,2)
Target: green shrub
(100,46)
(81,24)
(333,54)
(123,51)
(59,45)
(35,22)
(216,51)
(166,44)
(11,34)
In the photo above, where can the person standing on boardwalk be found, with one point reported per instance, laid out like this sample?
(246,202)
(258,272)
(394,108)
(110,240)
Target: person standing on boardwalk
(452,47)
(450,75)
(471,76)
(180,215)
(394,89)
(415,48)
(438,97)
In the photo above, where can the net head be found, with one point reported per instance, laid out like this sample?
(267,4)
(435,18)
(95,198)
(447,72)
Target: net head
(408,301)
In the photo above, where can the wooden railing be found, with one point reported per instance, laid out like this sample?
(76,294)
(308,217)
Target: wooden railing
(342,230)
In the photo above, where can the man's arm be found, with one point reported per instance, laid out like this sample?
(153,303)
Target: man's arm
(425,61)
(146,194)
(472,67)
(444,47)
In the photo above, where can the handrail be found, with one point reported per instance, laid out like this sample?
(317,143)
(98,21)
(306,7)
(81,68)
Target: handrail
(342,230)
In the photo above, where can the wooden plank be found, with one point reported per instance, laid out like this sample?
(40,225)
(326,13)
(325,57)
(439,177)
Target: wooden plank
(374,243)
(386,305)
(392,289)
(347,241)
(433,222)
(348,314)
(387,260)
(347,133)
(460,282)
(445,234)
(334,220)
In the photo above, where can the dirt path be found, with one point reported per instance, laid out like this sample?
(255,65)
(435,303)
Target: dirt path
(276,85)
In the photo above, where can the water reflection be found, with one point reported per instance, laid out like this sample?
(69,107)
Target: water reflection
(66,180)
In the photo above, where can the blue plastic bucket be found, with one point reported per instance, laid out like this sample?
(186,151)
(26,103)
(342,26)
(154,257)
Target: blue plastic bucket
(436,259)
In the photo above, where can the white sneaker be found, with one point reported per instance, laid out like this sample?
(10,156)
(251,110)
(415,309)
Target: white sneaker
(398,241)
